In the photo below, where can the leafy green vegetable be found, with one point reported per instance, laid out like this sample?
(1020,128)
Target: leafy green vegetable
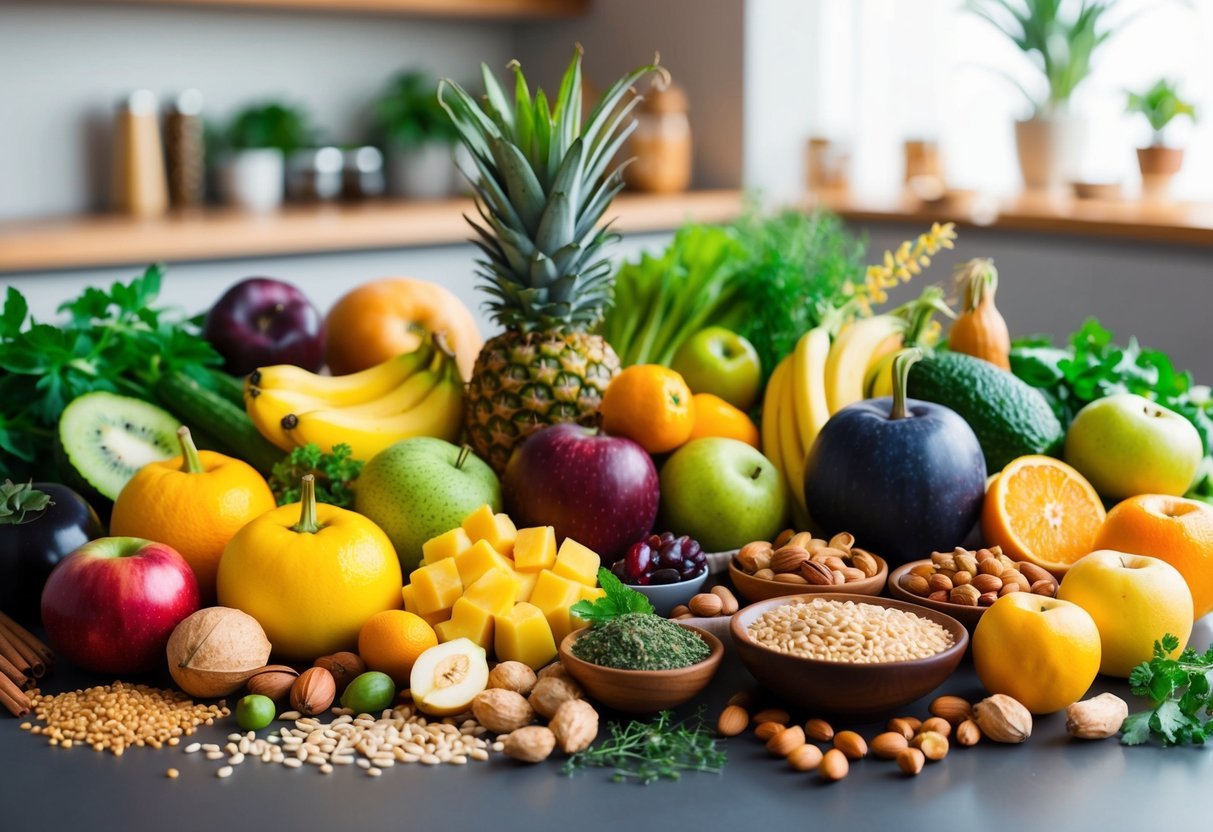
(114,340)
(335,474)
(619,600)
(651,751)
(19,500)
(1093,367)
(1181,695)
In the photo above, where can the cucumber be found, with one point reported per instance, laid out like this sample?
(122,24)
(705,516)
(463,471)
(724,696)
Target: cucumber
(217,417)
(228,386)
(1011,418)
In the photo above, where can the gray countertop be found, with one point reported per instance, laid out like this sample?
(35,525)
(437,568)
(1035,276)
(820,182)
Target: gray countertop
(1050,782)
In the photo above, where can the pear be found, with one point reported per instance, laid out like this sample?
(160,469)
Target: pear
(446,678)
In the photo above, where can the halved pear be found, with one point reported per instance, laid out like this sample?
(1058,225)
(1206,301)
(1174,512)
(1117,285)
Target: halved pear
(446,678)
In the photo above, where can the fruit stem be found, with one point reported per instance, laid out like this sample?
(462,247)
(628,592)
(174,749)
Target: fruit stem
(757,472)
(191,463)
(308,522)
(464,453)
(902,363)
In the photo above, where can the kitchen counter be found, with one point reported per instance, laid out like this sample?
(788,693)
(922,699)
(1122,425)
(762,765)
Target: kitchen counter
(1051,782)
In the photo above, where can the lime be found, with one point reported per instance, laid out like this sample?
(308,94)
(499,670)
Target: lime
(370,693)
(254,712)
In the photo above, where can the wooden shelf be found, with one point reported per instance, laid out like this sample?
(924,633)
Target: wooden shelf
(220,233)
(482,9)
(1181,223)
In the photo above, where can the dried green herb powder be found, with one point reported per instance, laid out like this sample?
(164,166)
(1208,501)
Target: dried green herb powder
(641,641)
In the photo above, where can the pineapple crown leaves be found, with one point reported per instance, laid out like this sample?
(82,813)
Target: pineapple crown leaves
(543,181)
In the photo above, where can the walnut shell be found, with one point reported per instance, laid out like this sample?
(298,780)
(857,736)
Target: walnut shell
(575,725)
(213,652)
(274,681)
(532,744)
(502,711)
(552,692)
(514,676)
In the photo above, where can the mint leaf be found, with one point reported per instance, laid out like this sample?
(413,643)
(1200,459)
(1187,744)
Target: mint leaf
(619,600)
(13,316)
(1136,729)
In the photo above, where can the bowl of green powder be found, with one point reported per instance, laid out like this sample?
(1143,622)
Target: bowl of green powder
(640,662)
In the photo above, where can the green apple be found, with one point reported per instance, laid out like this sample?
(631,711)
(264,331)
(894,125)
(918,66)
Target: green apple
(718,361)
(723,493)
(419,488)
(1126,445)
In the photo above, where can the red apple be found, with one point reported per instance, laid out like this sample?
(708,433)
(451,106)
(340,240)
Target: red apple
(600,490)
(111,605)
(262,321)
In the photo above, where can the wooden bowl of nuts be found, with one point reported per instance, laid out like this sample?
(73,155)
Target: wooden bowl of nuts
(848,654)
(797,563)
(963,582)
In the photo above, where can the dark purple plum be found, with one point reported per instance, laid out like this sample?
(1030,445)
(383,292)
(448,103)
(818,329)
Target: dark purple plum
(261,321)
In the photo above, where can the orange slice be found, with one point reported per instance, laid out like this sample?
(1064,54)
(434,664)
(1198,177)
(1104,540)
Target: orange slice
(1041,510)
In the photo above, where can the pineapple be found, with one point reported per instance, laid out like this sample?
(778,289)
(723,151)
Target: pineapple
(544,181)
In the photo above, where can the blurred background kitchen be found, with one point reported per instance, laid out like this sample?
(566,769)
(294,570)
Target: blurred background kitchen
(300,138)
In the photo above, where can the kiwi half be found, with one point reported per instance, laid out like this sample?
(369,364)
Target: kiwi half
(106,438)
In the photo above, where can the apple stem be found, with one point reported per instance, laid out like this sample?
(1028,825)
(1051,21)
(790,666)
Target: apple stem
(464,453)
(308,522)
(757,473)
(902,363)
(191,463)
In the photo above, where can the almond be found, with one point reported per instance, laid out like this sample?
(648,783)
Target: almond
(966,595)
(937,724)
(766,730)
(984,583)
(788,559)
(916,584)
(786,741)
(967,733)
(990,566)
(851,744)
(987,599)
(1007,589)
(1045,588)
(747,555)
(833,766)
(819,730)
(888,745)
(1015,577)
(706,605)
(1033,573)
(910,761)
(784,537)
(953,709)
(733,720)
(765,575)
(805,758)
(728,601)
(313,692)
(900,725)
(852,574)
(772,715)
(962,577)
(788,578)
(941,597)
(744,698)
(939,582)
(923,570)
(801,539)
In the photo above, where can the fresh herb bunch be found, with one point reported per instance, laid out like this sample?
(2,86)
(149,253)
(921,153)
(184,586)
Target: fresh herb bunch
(408,113)
(335,474)
(619,600)
(650,751)
(115,340)
(1093,367)
(1181,693)
(21,502)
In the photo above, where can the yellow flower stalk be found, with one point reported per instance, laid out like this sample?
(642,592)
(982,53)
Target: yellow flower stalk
(910,258)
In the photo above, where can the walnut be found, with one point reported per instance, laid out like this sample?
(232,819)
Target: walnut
(575,725)
(555,669)
(532,744)
(501,710)
(514,676)
(550,693)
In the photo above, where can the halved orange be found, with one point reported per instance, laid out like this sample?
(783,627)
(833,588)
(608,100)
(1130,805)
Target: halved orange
(1041,510)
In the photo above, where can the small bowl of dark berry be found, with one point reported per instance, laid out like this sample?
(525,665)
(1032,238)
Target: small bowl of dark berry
(668,570)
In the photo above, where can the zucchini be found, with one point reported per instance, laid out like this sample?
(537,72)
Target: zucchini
(217,417)
(1011,418)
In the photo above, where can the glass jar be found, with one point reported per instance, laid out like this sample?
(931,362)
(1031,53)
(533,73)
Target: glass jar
(661,143)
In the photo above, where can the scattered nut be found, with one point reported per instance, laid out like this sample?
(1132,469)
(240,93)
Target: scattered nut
(1097,718)
(706,605)
(967,733)
(575,725)
(932,744)
(900,725)
(851,744)
(728,601)
(954,709)
(314,691)
(344,666)
(937,724)
(888,745)
(532,744)
(733,720)
(805,758)
(966,595)
(680,610)
(766,730)
(555,669)
(833,766)
(1003,719)
(788,559)
(550,693)
(274,681)
(910,761)
(786,741)
(819,730)
(514,676)
(772,715)
(501,710)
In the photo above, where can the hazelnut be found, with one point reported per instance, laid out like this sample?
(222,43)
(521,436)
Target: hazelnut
(313,692)
(532,744)
(345,667)
(575,725)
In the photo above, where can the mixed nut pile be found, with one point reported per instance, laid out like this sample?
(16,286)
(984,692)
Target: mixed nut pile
(800,558)
(976,578)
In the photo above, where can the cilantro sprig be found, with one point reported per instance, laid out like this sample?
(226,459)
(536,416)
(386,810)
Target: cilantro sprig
(1181,694)
(619,600)
(335,474)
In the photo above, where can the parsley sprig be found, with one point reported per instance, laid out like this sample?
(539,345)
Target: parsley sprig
(619,600)
(1181,693)
(335,474)
(646,752)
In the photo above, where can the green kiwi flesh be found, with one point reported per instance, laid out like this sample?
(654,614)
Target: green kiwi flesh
(106,438)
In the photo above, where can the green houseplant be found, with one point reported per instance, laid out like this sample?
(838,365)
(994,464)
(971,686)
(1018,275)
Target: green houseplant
(417,135)
(1160,104)
(251,168)
(1059,39)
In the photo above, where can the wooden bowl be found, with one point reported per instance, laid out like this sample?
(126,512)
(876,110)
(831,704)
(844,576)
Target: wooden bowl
(642,691)
(760,589)
(840,687)
(966,615)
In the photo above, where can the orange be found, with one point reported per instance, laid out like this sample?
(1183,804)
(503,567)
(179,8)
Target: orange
(650,404)
(1173,529)
(716,417)
(195,503)
(1042,651)
(391,642)
(386,318)
(1041,510)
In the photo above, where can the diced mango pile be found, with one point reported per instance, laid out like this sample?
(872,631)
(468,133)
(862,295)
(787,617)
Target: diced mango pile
(509,590)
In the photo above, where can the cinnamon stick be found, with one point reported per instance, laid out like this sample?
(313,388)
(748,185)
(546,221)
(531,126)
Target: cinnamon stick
(10,654)
(13,698)
(10,670)
(29,639)
(35,666)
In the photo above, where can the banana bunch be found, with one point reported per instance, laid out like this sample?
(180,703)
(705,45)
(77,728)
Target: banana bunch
(416,394)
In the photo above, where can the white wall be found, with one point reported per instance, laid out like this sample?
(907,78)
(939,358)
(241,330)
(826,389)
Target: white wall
(62,67)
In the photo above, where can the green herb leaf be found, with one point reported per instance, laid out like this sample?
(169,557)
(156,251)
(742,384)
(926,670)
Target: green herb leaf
(619,600)
(1136,729)
(335,474)
(646,752)
(1179,690)
(19,501)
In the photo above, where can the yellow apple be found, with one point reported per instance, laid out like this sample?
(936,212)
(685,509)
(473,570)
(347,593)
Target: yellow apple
(1041,651)
(1134,600)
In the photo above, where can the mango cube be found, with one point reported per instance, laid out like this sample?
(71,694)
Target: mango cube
(535,549)
(526,585)
(553,595)
(468,620)
(495,591)
(577,563)
(523,635)
(591,593)
(446,545)
(436,586)
(410,605)
(480,559)
(495,529)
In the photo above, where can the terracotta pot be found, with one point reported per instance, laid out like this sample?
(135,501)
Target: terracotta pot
(1158,167)
(1049,149)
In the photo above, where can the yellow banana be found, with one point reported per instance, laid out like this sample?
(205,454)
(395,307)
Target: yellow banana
(792,449)
(772,403)
(340,391)
(405,397)
(267,409)
(851,355)
(880,378)
(809,383)
(439,414)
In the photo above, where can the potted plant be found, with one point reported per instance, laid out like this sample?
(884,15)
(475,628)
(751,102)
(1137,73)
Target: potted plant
(418,137)
(255,145)
(1161,105)
(1059,38)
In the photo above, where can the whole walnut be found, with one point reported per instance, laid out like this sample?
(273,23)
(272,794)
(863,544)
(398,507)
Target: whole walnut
(501,710)
(575,725)
(550,693)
